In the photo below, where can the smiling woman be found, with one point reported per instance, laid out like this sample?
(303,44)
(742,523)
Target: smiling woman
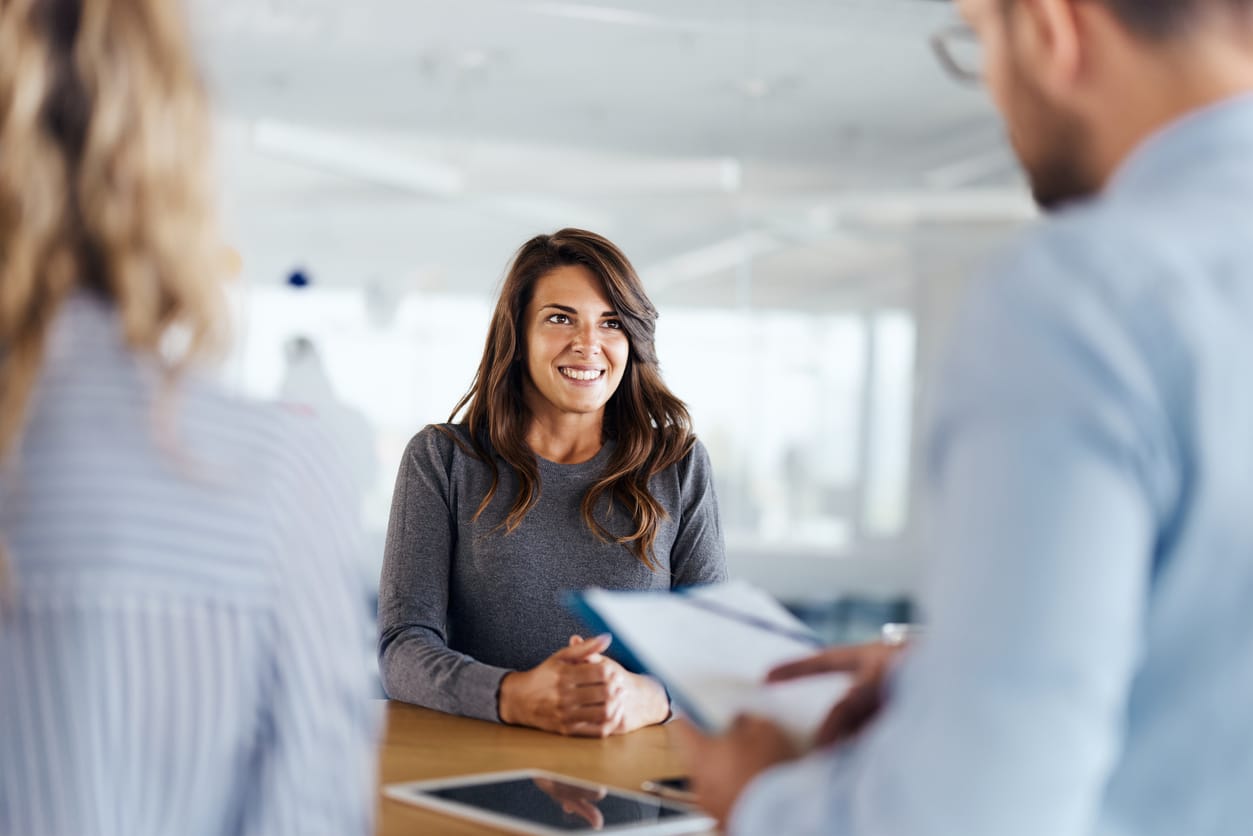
(572,466)
(576,353)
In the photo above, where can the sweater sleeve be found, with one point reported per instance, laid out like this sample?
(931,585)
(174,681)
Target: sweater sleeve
(699,554)
(415,661)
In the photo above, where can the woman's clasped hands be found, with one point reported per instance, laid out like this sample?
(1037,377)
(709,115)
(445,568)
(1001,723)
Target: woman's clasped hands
(581,692)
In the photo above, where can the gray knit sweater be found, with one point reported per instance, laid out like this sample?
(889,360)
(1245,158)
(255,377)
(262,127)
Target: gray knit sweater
(461,603)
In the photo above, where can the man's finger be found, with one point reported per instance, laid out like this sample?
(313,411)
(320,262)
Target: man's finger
(828,661)
(833,727)
(745,723)
(691,739)
(850,715)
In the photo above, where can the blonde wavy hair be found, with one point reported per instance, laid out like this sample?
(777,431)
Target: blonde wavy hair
(104,186)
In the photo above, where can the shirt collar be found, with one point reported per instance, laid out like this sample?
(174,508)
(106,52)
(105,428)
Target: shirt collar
(85,325)
(1214,133)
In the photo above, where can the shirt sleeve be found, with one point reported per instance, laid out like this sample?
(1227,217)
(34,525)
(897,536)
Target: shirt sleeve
(699,554)
(315,760)
(1049,464)
(415,660)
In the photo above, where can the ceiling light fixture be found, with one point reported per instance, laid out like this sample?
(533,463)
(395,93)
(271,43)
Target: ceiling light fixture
(708,260)
(970,170)
(351,157)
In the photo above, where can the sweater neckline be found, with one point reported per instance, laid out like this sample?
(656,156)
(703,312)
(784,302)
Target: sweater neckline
(595,464)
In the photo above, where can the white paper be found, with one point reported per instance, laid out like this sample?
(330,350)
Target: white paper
(717,665)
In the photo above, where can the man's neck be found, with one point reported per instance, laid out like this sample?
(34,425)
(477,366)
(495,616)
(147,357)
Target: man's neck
(1167,84)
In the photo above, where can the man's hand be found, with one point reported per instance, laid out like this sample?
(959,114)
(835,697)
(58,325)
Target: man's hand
(721,767)
(868,663)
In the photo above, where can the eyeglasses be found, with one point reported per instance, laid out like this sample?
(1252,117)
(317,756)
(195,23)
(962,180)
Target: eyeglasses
(960,53)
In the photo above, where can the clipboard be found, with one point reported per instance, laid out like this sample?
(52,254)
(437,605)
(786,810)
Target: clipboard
(712,647)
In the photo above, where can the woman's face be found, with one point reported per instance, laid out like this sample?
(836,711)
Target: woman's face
(576,348)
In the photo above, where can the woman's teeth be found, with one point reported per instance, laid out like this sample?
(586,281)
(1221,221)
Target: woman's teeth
(577,374)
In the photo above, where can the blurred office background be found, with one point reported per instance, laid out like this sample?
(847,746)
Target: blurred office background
(802,188)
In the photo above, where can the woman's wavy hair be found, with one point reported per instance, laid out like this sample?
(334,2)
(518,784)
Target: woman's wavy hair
(650,427)
(104,186)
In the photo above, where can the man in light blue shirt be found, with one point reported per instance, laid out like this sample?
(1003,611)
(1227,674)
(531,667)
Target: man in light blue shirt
(1088,663)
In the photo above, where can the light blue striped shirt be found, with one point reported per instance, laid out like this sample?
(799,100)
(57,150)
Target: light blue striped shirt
(186,651)
(1088,666)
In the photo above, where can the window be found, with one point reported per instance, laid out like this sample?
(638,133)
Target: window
(807,417)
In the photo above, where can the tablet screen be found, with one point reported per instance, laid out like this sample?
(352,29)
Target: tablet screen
(549,803)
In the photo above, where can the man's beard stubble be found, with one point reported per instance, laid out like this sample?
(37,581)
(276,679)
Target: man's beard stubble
(1060,140)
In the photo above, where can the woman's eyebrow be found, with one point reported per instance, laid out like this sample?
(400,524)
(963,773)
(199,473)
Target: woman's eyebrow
(570,310)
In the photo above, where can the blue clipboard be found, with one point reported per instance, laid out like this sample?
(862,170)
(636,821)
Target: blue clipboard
(578,604)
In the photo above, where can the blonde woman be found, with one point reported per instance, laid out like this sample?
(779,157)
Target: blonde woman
(181,634)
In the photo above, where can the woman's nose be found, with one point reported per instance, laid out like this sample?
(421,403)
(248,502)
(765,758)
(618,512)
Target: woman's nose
(587,339)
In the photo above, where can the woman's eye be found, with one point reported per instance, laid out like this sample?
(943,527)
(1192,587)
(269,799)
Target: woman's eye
(615,324)
(559,319)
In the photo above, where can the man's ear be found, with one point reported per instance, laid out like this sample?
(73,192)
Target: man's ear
(1048,37)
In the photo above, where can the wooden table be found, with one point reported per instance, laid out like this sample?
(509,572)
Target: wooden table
(420,743)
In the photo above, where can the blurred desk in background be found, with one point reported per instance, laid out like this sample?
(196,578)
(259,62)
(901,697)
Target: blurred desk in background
(851,619)
(419,743)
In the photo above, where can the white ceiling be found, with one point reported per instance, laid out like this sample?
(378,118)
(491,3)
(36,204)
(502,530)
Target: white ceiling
(416,143)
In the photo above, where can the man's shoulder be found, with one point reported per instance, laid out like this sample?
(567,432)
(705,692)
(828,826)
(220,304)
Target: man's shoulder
(1087,293)
(1101,251)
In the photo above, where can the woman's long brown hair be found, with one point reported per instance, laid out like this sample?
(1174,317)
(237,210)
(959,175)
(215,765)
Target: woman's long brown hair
(650,427)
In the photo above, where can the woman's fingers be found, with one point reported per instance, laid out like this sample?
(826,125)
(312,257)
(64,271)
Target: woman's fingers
(590,673)
(591,728)
(583,649)
(595,714)
(601,692)
(587,811)
(593,719)
(591,697)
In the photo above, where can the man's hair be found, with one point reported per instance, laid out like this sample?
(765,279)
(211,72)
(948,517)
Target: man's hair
(1163,19)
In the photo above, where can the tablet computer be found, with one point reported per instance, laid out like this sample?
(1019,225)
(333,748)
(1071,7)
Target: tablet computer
(545,803)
